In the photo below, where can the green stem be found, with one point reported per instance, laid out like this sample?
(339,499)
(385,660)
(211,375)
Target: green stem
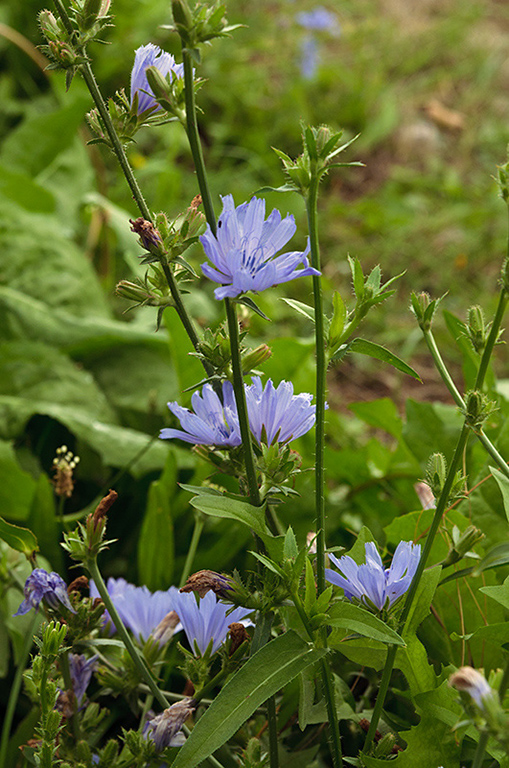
(221,675)
(15,691)
(118,149)
(321,372)
(191,552)
(138,660)
(66,674)
(272,724)
(492,338)
(441,504)
(458,399)
(194,140)
(504,682)
(481,749)
(392,649)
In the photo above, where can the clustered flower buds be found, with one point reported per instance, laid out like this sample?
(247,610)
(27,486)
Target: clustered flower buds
(64,464)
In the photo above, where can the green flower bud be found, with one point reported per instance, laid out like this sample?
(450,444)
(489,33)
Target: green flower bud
(477,329)
(462,543)
(251,360)
(478,408)
(91,12)
(49,25)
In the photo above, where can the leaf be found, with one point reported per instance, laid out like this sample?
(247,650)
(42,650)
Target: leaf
(17,487)
(369,348)
(303,309)
(39,139)
(339,316)
(20,539)
(248,302)
(43,522)
(21,189)
(381,414)
(222,506)
(357,276)
(503,484)
(263,675)
(356,619)
(500,593)
(156,554)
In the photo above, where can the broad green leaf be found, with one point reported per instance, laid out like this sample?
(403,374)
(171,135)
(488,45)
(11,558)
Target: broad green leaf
(303,309)
(20,539)
(247,301)
(500,593)
(39,139)
(17,487)
(263,675)
(117,446)
(43,522)
(188,367)
(369,348)
(222,506)
(156,545)
(494,633)
(381,414)
(20,189)
(358,620)
(503,484)
(422,600)
(339,315)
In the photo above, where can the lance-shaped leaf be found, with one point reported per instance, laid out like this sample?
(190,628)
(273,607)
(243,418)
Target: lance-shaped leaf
(369,348)
(263,675)
(357,619)
(20,539)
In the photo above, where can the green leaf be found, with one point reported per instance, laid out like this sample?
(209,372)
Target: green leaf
(156,545)
(345,615)
(303,309)
(248,302)
(222,506)
(39,139)
(503,484)
(369,348)
(17,487)
(381,414)
(357,276)
(263,675)
(20,539)
(339,315)
(21,189)
(500,593)
(44,524)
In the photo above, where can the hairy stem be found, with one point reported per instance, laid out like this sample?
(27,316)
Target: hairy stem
(66,674)
(15,691)
(481,749)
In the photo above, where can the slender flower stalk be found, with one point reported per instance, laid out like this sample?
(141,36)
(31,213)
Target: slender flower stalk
(91,83)
(321,372)
(138,660)
(191,552)
(440,509)
(448,381)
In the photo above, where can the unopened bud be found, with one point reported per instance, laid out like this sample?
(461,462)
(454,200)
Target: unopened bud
(477,329)
(255,357)
(238,635)
(436,472)
(63,53)
(150,239)
(132,291)
(478,407)
(503,181)
(424,309)
(90,13)
(472,682)
(462,543)
(183,19)
(49,25)
(165,630)
(160,87)
(203,581)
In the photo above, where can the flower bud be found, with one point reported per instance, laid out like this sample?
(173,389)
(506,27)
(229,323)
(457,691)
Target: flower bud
(203,581)
(503,181)
(238,635)
(91,11)
(133,291)
(165,630)
(183,19)
(63,54)
(462,543)
(150,239)
(436,472)
(160,87)
(478,408)
(255,357)
(49,25)
(477,328)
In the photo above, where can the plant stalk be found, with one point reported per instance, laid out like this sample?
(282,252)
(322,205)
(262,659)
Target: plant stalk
(481,749)
(198,528)
(138,660)
(15,691)
(321,372)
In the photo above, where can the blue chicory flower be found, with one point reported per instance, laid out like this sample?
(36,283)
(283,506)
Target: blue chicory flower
(141,610)
(213,422)
(165,729)
(205,620)
(81,670)
(371,583)
(151,55)
(319,19)
(49,587)
(309,58)
(276,414)
(243,251)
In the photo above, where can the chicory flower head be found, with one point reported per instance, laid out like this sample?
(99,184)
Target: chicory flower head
(141,610)
(81,670)
(243,251)
(371,583)
(206,620)
(49,587)
(151,55)
(319,19)
(212,423)
(276,414)
(165,729)
(474,683)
